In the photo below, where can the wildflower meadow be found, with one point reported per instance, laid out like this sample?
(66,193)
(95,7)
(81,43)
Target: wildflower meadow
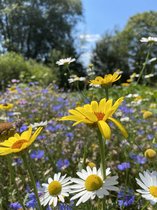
(91,148)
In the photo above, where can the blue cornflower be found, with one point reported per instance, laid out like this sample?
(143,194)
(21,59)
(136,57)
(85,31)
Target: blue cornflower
(63,206)
(15,206)
(32,202)
(62,164)
(57,107)
(123,166)
(150,136)
(23,128)
(70,135)
(138,158)
(38,154)
(126,197)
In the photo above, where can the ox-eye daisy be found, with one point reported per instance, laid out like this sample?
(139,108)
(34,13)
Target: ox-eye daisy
(91,184)
(56,189)
(148,183)
(65,61)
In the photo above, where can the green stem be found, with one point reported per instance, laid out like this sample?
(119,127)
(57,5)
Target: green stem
(84,157)
(103,161)
(32,179)
(144,64)
(106,92)
(145,206)
(12,180)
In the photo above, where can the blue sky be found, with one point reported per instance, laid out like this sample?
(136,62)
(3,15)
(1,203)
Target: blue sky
(103,15)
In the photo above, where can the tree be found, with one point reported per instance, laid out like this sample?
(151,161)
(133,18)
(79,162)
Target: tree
(123,49)
(35,27)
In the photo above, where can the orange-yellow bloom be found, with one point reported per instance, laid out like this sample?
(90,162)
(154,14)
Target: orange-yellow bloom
(98,114)
(107,80)
(146,114)
(19,142)
(6,106)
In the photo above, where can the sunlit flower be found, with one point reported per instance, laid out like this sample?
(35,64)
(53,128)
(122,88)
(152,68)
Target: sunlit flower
(126,197)
(151,60)
(91,184)
(150,154)
(107,80)
(65,61)
(41,124)
(125,84)
(19,142)
(148,76)
(123,166)
(97,114)
(6,106)
(148,183)
(75,78)
(148,39)
(55,190)
(146,114)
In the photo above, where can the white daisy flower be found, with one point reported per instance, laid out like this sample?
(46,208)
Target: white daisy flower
(41,124)
(148,40)
(56,189)
(148,183)
(91,184)
(65,61)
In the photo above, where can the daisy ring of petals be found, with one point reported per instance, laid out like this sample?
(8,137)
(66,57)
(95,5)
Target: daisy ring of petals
(56,189)
(98,114)
(148,183)
(91,184)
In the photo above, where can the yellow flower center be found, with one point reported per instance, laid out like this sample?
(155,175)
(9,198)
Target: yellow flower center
(18,144)
(153,191)
(99,115)
(93,182)
(54,188)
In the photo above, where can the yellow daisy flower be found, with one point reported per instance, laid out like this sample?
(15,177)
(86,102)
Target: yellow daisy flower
(147,114)
(6,106)
(97,114)
(107,80)
(19,142)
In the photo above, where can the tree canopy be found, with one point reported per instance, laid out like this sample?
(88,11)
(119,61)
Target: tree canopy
(35,27)
(123,49)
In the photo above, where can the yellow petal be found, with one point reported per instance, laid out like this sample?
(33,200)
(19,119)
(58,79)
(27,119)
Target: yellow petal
(89,115)
(27,134)
(76,113)
(9,142)
(120,126)
(71,117)
(102,105)
(104,129)
(35,135)
(5,151)
(94,105)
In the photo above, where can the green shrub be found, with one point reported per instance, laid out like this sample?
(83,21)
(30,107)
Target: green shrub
(14,66)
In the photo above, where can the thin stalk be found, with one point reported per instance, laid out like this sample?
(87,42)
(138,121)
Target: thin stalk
(144,64)
(106,92)
(145,206)
(32,180)
(12,180)
(103,162)
(84,157)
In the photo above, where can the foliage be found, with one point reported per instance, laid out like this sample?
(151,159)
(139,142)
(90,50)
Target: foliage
(123,49)
(65,146)
(13,65)
(35,27)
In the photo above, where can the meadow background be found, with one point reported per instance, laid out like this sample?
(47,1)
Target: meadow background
(34,36)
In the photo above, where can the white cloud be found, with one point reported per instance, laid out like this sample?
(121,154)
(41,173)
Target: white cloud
(85,58)
(90,37)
